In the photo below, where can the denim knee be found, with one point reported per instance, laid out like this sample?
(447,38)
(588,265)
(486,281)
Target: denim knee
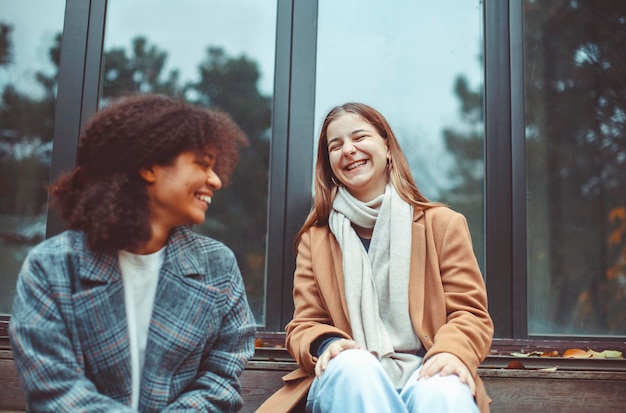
(354,382)
(439,393)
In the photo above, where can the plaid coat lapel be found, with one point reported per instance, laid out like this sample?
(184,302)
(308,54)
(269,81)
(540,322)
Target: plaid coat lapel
(181,320)
(101,322)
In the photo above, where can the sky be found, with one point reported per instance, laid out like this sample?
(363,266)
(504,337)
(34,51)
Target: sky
(186,28)
(402,58)
(35,23)
(399,56)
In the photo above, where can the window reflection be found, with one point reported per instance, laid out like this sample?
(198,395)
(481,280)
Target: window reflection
(576,163)
(200,50)
(30,39)
(424,77)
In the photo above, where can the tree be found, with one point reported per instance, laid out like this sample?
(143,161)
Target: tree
(466,144)
(239,215)
(26,130)
(576,105)
(575,101)
(6,54)
(139,72)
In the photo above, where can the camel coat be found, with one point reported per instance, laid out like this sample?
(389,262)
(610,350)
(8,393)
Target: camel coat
(447,300)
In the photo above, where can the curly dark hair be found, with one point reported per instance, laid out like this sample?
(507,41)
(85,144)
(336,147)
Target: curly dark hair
(105,196)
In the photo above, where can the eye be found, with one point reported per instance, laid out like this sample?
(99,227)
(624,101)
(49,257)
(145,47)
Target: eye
(332,148)
(205,163)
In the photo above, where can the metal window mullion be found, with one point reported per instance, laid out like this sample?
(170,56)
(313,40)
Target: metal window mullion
(301,129)
(518,144)
(67,120)
(498,162)
(277,199)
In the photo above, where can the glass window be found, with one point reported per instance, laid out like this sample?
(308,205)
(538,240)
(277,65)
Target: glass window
(425,77)
(575,100)
(30,41)
(217,54)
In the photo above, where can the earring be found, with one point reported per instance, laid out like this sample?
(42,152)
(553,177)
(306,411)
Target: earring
(332,178)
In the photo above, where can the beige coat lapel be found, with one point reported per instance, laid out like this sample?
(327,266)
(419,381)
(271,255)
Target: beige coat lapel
(337,259)
(417,271)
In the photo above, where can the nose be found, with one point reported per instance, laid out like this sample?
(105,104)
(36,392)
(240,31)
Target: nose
(349,148)
(213,180)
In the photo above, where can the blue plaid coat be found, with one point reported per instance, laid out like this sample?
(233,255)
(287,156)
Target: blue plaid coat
(69,335)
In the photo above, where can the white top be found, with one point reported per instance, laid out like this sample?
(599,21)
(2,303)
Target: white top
(140,274)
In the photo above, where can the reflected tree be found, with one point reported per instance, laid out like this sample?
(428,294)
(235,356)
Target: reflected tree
(140,71)
(239,215)
(26,129)
(466,144)
(6,52)
(575,100)
(576,151)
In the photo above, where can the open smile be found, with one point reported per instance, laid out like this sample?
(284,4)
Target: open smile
(204,198)
(356,164)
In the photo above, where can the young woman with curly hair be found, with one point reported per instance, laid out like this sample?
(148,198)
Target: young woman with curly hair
(129,309)
(390,305)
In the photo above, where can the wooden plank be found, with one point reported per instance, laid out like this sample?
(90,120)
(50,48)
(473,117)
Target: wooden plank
(258,385)
(11,395)
(554,393)
(511,390)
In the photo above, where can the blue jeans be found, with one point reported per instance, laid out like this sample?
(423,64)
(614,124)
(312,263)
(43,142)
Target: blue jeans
(355,381)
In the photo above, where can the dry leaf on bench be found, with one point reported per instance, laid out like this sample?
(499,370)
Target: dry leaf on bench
(549,369)
(606,354)
(516,365)
(576,353)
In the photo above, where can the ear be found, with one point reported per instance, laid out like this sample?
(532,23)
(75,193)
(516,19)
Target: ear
(148,174)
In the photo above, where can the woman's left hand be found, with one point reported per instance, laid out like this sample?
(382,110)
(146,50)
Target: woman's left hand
(445,364)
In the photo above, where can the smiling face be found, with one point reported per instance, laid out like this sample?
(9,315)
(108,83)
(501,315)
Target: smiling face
(358,156)
(181,192)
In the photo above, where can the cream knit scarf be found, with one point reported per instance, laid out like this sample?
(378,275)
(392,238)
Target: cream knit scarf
(377,282)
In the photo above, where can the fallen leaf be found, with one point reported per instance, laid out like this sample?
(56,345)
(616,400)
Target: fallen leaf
(516,365)
(606,354)
(533,354)
(615,238)
(548,369)
(617,213)
(612,354)
(576,353)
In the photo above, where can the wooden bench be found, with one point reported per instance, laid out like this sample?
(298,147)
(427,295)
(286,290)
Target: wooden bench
(512,391)
(577,385)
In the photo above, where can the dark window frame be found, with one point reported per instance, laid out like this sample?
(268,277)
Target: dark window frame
(292,150)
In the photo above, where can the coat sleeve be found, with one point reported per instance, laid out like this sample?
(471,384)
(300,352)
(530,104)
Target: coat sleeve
(217,387)
(310,319)
(49,371)
(468,329)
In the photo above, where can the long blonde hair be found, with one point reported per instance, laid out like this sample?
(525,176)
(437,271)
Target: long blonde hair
(325,181)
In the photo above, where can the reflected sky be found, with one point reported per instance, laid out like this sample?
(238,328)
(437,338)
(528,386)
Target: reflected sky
(35,24)
(401,57)
(186,28)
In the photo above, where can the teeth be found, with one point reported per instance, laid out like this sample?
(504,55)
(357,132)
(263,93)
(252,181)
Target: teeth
(354,165)
(204,198)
